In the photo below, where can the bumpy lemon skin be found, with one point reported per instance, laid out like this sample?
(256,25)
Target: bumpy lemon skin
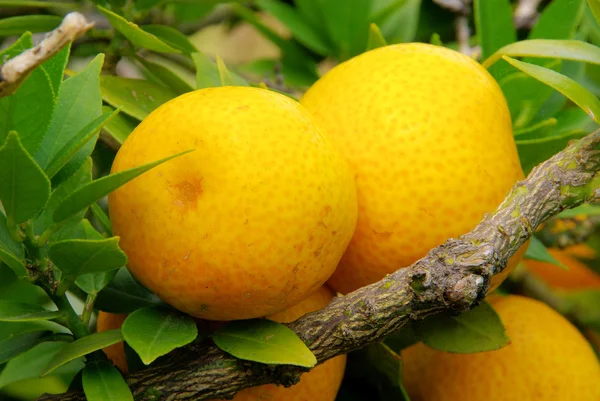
(322,382)
(252,221)
(427,133)
(548,359)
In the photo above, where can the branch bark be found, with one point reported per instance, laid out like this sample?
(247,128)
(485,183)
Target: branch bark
(454,276)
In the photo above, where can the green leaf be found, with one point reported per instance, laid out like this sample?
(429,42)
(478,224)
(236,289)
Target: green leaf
(135,34)
(537,251)
(166,77)
(125,295)
(120,126)
(171,36)
(29,109)
(94,283)
(33,23)
(95,190)
(264,341)
(300,28)
(573,123)
(385,361)
(30,364)
(102,218)
(18,344)
(154,332)
(11,252)
(24,188)
(83,346)
(347,23)
(55,68)
(37,4)
(537,130)
(21,312)
(103,382)
(224,74)
(77,142)
(559,20)
(595,8)
(545,48)
(397,19)
(79,102)
(137,97)
(583,210)
(76,257)
(82,177)
(494,24)
(477,330)
(376,39)
(208,74)
(401,339)
(565,85)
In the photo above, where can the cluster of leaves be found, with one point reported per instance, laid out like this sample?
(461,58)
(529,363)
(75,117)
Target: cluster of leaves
(56,239)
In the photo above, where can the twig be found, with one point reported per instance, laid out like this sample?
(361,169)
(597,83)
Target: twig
(526,13)
(14,71)
(452,277)
(564,232)
(462,9)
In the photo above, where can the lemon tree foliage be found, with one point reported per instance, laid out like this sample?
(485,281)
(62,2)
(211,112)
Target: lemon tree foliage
(62,266)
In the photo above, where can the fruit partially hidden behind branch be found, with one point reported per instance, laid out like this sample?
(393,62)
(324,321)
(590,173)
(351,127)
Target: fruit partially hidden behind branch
(116,352)
(252,221)
(322,382)
(547,359)
(427,133)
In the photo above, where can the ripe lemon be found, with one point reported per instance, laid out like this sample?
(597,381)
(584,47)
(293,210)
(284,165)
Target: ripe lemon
(548,359)
(251,222)
(322,382)
(115,352)
(428,135)
(578,277)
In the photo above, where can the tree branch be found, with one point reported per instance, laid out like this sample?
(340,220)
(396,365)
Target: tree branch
(454,276)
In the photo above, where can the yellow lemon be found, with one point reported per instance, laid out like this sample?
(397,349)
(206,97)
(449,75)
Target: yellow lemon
(547,359)
(252,221)
(427,133)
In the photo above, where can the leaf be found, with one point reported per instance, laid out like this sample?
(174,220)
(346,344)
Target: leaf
(29,109)
(265,341)
(137,97)
(167,77)
(83,346)
(29,365)
(347,23)
(386,362)
(79,102)
(94,283)
(224,74)
(583,210)
(20,343)
(401,339)
(95,190)
(124,294)
(595,8)
(33,23)
(171,36)
(154,332)
(82,177)
(24,188)
(477,330)
(120,126)
(102,218)
(565,85)
(135,34)
(494,23)
(103,382)
(208,74)
(546,48)
(77,142)
(559,20)
(584,305)
(398,20)
(11,252)
(376,39)
(76,257)
(21,312)
(55,68)
(537,251)
(300,28)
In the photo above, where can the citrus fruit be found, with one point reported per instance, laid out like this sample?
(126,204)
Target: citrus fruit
(322,382)
(252,221)
(578,277)
(427,133)
(116,352)
(547,359)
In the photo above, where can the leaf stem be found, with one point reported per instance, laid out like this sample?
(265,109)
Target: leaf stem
(14,230)
(88,308)
(71,320)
